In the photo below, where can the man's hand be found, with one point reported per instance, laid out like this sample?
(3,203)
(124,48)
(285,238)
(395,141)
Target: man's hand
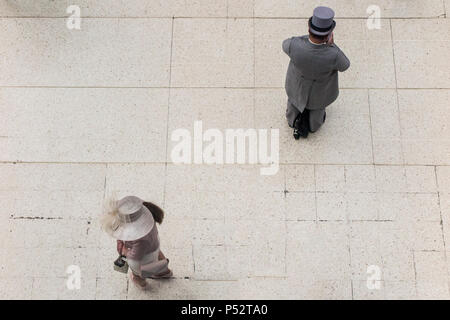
(330,39)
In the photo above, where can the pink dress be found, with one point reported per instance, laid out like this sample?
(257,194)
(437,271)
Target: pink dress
(143,255)
(138,249)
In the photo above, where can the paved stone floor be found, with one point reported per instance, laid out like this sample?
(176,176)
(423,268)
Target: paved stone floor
(85,113)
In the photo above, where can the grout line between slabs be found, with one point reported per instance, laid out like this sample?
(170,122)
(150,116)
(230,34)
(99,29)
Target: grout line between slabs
(315,192)
(445,9)
(104,184)
(447,262)
(415,272)
(352,289)
(228,4)
(348,223)
(396,94)
(167,116)
(370,124)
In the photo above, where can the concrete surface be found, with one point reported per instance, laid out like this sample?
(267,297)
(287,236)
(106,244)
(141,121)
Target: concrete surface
(85,113)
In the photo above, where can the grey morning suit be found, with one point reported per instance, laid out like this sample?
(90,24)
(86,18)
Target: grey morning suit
(312,78)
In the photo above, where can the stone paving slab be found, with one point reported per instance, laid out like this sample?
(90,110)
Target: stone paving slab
(104,52)
(19,288)
(385,124)
(212,53)
(113,288)
(84,124)
(420,61)
(425,139)
(41,190)
(432,277)
(124,179)
(330,262)
(443,178)
(403,133)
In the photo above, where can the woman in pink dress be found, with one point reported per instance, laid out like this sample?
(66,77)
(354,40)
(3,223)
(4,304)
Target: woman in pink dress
(132,222)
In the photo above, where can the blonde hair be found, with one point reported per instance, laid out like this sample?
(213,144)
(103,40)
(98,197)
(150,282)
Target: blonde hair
(109,220)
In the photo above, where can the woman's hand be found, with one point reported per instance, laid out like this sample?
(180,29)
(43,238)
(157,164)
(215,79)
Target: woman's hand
(120,246)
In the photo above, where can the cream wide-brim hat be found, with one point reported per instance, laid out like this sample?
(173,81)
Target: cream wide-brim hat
(135,220)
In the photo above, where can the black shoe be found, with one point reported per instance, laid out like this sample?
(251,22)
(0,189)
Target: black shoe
(297,127)
(303,133)
(303,125)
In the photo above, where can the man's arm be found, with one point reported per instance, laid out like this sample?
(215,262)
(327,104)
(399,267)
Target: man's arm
(287,46)
(342,62)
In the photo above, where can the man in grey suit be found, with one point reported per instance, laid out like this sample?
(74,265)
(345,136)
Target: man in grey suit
(312,76)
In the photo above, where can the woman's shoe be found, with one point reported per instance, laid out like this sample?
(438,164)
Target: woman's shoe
(141,283)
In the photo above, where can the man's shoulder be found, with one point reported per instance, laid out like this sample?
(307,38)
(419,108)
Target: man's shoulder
(298,42)
(300,38)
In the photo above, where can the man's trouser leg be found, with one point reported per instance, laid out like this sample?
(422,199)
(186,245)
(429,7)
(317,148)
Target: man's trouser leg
(291,114)
(316,119)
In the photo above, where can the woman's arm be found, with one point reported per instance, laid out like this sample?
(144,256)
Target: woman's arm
(120,246)
(135,252)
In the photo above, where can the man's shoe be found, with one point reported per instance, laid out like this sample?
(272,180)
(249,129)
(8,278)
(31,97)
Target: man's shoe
(303,126)
(303,133)
(297,127)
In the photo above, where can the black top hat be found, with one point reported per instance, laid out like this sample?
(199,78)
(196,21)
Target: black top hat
(322,22)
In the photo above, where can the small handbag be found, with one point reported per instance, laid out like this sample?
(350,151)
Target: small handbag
(120,264)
